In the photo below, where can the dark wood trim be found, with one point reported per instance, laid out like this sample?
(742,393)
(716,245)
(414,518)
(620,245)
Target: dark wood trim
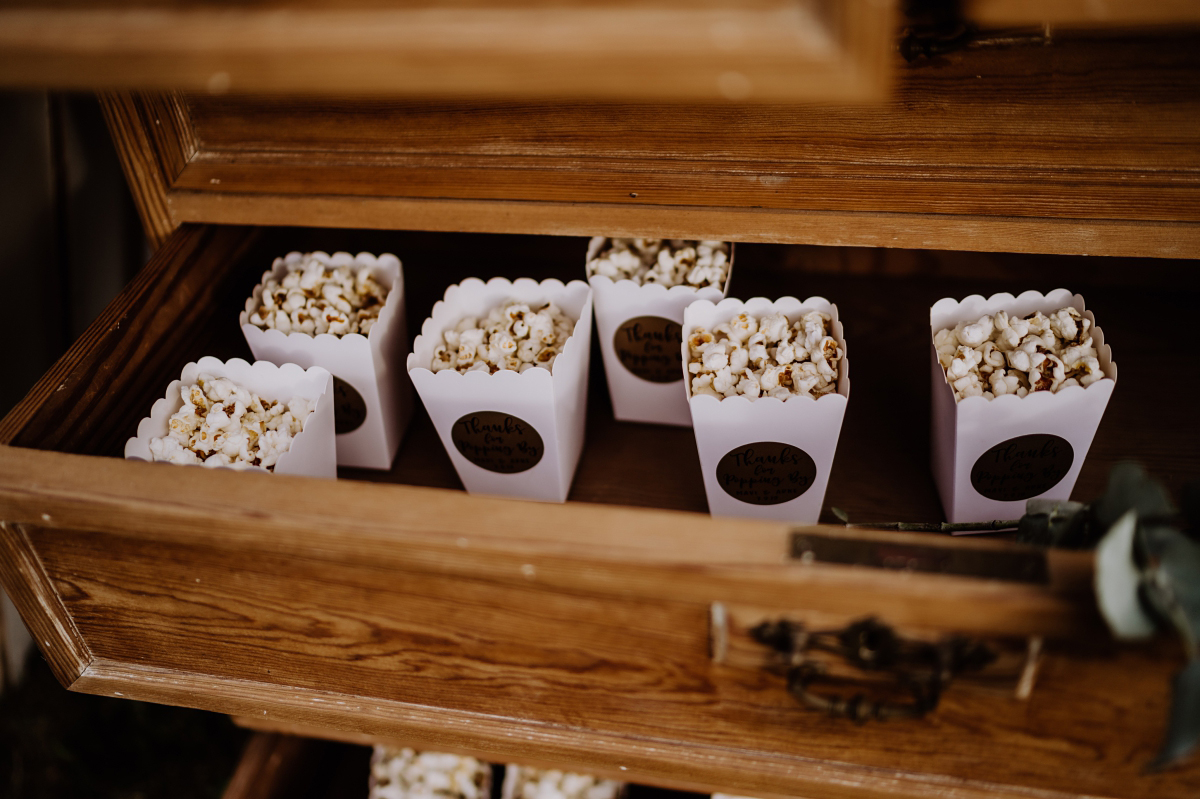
(155,141)
(512,739)
(41,607)
(132,331)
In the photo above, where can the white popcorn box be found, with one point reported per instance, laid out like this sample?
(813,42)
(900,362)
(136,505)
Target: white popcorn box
(766,458)
(990,456)
(312,453)
(640,332)
(372,399)
(509,434)
(403,773)
(523,782)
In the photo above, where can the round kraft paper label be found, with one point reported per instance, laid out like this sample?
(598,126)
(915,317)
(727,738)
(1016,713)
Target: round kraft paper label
(650,347)
(349,407)
(1022,467)
(498,442)
(766,472)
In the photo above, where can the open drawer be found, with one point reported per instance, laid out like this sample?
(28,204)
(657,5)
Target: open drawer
(393,606)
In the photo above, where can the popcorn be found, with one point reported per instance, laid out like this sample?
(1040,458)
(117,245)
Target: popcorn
(315,297)
(408,774)
(512,336)
(673,262)
(223,424)
(522,782)
(765,357)
(997,355)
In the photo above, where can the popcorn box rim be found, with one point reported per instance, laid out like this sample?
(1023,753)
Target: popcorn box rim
(786,304)
(619,284)
(948,307)
(166,406)
(280,267)
(431,332)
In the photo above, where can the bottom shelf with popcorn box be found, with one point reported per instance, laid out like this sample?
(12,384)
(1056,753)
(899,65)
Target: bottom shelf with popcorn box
(993,451)
(243,416)
(512,425)
(768,384)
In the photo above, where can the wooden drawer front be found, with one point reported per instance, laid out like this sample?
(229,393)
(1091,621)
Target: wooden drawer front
(1087,146)
(573,634)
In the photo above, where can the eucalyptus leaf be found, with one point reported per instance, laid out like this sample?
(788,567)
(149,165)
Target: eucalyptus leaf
(1171,584)
(1129,487)
(1118,580)
(1183,729)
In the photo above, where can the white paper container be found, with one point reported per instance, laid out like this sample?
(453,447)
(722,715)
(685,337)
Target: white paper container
(516,776)
(620,305)
(976,435)
(312,453)
(464,407)
(383,768)
(373,400)
(739,438)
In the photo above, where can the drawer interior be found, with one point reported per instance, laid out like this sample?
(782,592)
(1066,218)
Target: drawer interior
(881,470)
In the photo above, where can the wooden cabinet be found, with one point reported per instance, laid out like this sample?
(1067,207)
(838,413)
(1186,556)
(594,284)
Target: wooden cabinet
(392,606)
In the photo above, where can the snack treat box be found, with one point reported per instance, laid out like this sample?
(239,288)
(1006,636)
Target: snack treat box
(511,434)
(525,782)
(639,328)
(766,458)
(373,400)
(991,455)
(312,453)
(410,774)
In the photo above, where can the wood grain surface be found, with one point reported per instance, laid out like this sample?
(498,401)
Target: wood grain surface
(37,600)
(1083,13)
(579,633)
(765,50)
(1087,146)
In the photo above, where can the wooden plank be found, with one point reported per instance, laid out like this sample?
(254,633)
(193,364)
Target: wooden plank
(154,142)
(996,751)
(1082,13)
(833,229)
(40,605)
(764,51)
(1085,147)
(268,767)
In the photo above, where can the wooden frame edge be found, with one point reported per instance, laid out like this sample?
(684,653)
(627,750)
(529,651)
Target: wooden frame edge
(508,739)
(1096,237)
(154,139)
(27,583)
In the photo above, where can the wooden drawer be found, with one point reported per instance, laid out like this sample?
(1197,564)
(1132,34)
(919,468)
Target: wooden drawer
(394,606)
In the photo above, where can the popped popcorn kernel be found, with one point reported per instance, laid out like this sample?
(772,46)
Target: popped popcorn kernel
(315,297)
(672,262)
(514,335)
(524,782)
(409,774)
(223,424)
(1002,354)
(766,357)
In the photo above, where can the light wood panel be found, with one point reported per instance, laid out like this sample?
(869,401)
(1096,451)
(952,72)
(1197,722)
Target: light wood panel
(763,51)
(1089,146)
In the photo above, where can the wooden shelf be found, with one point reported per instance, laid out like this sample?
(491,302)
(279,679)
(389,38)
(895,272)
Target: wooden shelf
(767,51)
(1089,146)
(571,634)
